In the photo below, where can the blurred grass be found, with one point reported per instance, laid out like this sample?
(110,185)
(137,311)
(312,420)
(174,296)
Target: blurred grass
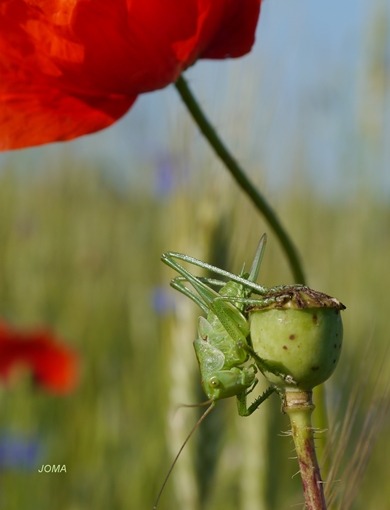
(83,258)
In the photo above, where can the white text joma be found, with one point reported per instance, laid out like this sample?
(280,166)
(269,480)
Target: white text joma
(47,468)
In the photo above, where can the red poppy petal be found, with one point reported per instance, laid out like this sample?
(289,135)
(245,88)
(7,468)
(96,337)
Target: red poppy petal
(54,366)
(237,33)
(33,113)
(72,67)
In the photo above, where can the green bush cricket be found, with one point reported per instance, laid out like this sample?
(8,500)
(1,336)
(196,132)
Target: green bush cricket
(223,343)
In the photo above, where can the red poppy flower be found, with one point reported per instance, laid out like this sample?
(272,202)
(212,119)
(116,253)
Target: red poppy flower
(53,365)
(72,67)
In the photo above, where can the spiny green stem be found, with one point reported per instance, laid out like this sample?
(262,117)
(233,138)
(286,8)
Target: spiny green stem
(298,405)
(241,178)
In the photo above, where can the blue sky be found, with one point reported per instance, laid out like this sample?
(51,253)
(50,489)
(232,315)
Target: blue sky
(297,99)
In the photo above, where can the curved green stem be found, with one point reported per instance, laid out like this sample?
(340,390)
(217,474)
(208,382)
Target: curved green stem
(241,178)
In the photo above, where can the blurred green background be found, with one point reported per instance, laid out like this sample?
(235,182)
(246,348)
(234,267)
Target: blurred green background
(82,228)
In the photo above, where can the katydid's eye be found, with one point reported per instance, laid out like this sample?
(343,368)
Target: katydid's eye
(214,381)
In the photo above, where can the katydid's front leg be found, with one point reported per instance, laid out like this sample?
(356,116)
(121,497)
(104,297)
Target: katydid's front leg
(243,410)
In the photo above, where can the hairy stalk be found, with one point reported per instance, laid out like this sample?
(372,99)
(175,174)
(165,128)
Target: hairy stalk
(298,405)
(241,178)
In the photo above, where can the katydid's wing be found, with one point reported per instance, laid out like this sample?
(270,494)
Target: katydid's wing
(210,359)
(206,293)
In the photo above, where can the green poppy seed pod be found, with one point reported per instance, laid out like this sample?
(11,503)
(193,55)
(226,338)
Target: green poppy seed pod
(298,334)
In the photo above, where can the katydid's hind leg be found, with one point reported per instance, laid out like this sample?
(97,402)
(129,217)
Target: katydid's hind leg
(211,282)
(255,302)
(169,259)
(177,284)
(264,366)
(200,299)
(206,293)
(243,410)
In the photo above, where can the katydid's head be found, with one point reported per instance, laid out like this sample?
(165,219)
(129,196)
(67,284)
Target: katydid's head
(299,334)
(229,383)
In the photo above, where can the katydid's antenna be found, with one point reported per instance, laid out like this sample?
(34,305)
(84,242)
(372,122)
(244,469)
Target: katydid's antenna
(201,404)
(208,410)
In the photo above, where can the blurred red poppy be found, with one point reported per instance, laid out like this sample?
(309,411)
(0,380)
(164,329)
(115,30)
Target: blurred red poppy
(54,366)
(72,67)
